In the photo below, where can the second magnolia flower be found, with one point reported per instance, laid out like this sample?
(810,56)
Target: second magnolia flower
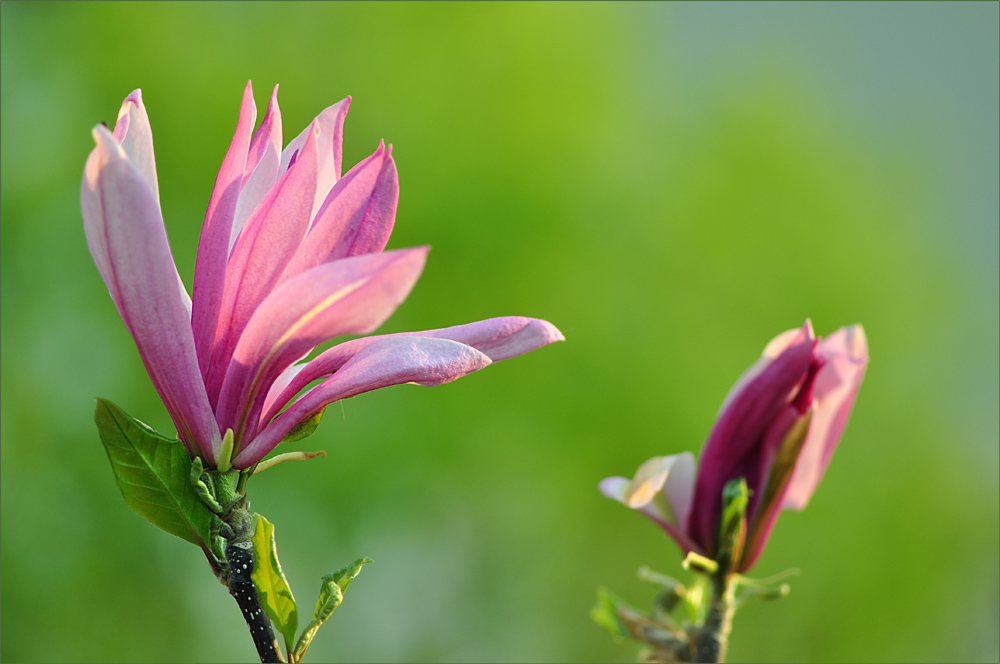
(777,430)
(290,256)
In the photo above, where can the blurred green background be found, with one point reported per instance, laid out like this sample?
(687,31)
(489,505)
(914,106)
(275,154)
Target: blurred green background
(671,185)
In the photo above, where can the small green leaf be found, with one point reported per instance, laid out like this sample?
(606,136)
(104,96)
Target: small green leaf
(153,473)
(342,577)
(605,614)
(304,429)
(331,594)
(272,588)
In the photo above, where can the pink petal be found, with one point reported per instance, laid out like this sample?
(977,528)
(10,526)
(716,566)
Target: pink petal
(134,134)
(267,243)
(261,171)
(357,217)
(126,234)
(330,140)
(388,361)
(499,338)
(846,355)
(740,429)
(132,131)
(213,248)
(349,296)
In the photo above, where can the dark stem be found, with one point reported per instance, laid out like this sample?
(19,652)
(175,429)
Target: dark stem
(711,640)
(240,557)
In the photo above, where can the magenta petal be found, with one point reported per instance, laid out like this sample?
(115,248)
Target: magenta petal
(387,361)
(837,384)
(762,518)
(265,246)
(739,430)
(499,338)
(356,218)
(330,143)
(127,237)
(261,171)
(349,296)
(213,248)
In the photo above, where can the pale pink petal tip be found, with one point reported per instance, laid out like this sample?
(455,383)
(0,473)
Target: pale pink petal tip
(614,488)
(135,98)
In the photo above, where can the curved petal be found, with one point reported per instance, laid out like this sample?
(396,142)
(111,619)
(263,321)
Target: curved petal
(356,218)
(837,384)
(388,361)
(264,248)
(499,338)
(774,348)
(349,296)
(661,490)
(133,133)
(741,427)
(330,143)
(213,247)
(125,230)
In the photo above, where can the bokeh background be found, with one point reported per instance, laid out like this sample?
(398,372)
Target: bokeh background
(670,184)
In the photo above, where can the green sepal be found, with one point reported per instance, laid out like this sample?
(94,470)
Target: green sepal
(304,429)
(605,614)
(272,587)
(153,473)
(331,594)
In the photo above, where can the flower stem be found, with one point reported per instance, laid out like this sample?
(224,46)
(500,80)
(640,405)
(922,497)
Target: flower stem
(237,528)
(241,587)
(712,638)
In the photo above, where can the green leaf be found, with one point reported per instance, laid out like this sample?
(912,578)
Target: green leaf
(272,587)
(153,473)
(342,577)
(304,429)
(605,614)
(331,594)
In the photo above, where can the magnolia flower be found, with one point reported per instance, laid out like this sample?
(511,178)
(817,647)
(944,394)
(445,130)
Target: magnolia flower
(290,256)
(777,429)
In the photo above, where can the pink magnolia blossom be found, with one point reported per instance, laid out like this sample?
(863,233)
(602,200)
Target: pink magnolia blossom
(291,255)
(777,429)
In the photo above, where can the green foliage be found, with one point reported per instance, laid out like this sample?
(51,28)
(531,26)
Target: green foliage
(605,614)
(272,587)
(153,473)
(331,595)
